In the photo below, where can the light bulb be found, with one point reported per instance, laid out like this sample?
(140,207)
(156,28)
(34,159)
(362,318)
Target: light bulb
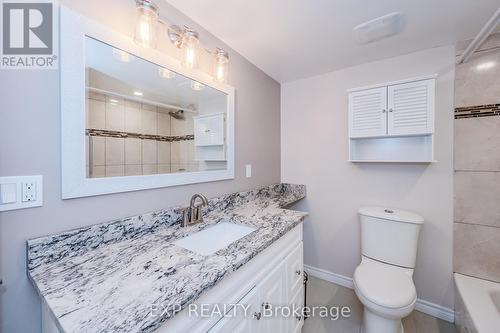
(121,55)
(190,46)
(146,23)
(221,66)
(165,73)
(197,86)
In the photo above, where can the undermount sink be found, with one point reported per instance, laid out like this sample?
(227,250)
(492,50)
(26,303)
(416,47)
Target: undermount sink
(214,238)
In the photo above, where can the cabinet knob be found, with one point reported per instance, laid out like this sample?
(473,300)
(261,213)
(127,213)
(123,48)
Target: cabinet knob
(384,110)
(257,315)
(391,110)
(298,272)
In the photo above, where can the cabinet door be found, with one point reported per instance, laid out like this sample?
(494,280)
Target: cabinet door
(368,113)
(273,293)
(411,108)
(209,130)
(295,270)
(241,321)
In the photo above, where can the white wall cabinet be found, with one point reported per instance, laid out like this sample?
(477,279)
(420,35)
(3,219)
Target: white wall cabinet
(393,110)
(393,122)
(209,130)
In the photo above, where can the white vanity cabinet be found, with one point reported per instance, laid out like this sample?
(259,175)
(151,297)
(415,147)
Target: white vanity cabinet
(392,122)
(283,286)
(209,137)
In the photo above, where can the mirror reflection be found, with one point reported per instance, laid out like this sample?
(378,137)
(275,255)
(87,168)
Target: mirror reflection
(143,119)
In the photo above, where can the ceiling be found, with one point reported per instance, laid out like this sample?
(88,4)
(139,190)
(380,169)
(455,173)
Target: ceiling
(293,39)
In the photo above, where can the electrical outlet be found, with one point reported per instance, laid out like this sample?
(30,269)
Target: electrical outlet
(19,192)
(29,192)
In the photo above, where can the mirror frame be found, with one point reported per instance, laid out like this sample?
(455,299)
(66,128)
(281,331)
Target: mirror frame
(74,29)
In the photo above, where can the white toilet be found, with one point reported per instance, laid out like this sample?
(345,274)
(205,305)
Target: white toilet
(383,280)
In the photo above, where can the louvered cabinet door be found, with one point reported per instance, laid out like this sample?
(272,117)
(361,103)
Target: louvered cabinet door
(367,113)
(411,108)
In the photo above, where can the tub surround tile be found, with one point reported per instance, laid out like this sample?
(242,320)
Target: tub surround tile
(138,252)
(477,144)
(476,197)
(475,251)
(133,151)
(115,151)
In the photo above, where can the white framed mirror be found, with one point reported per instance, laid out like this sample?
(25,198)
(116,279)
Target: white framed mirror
(134,118)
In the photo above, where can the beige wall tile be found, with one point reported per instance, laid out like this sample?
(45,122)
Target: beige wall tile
(477,144)
(115,170)
(98,171)
(133,170)
(115,114)
(474,86)
(115,151)
(476,197)
(476,251)
(149,120)
(149,169)
(149,152)
(133,151)
(97,114)
(182,126)
(163,152)
(98,150)
(163,168)
(133,118)
(163,123)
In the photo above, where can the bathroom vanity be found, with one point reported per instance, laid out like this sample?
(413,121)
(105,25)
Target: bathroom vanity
(147,273)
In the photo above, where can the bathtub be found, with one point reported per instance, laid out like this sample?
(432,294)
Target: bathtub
(477,305)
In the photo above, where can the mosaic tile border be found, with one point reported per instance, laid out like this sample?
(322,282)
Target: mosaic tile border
(119,134)
(476,111)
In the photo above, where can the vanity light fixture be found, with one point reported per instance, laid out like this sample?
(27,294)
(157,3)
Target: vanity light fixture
(197,86)
(221,65)
(183,38)
(190,44)
(146,23)
(165,73)
(121,55)
(138,93)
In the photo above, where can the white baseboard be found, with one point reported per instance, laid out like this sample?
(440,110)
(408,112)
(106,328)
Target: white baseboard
(426,307)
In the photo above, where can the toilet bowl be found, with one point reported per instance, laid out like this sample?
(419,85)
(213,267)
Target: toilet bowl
(387,294)
(383,281)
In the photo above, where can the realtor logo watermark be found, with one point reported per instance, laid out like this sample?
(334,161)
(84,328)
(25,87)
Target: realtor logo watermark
(29,35)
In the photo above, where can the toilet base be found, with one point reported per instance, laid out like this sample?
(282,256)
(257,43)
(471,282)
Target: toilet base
(373,323)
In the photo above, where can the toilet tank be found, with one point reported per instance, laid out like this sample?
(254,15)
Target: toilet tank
(390,235)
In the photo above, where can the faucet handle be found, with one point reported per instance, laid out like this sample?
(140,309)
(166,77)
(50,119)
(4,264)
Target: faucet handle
(196,213)
(186,216)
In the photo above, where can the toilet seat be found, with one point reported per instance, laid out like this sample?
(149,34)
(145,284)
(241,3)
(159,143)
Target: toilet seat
(386,289)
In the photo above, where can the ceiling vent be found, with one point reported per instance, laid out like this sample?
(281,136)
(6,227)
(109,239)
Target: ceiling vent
(379,28)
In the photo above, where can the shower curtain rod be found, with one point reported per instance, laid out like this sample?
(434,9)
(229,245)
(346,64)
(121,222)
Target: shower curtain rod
(480,38)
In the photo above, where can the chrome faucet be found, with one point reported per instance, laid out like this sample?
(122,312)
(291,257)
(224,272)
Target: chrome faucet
(193,213)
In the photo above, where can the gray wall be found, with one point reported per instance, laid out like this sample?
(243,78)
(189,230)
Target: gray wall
(30,144)
(314,148)
(477,164)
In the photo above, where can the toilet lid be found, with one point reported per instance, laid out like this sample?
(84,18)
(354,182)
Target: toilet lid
(385,285)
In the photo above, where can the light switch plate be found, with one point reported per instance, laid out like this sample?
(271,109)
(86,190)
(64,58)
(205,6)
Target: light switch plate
(20,192)
(248,170)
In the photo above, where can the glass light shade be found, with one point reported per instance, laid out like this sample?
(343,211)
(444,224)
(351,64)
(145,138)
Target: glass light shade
(195,85)
(190,45)
(165,73)
(221,66)
(146,24)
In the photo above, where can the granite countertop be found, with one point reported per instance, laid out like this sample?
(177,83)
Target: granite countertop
(106,277)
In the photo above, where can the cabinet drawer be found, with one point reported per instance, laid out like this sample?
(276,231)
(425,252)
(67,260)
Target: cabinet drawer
(294,270)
